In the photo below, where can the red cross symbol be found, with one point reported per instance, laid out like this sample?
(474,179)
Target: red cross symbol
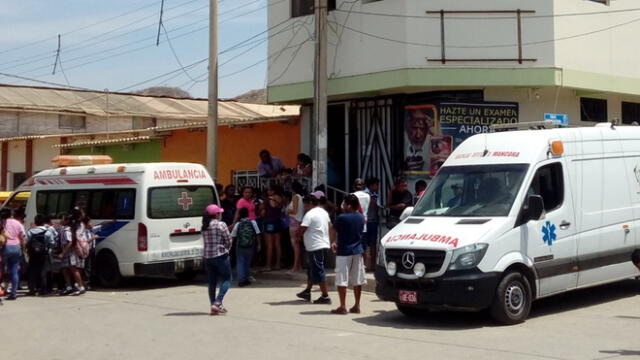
(185,201)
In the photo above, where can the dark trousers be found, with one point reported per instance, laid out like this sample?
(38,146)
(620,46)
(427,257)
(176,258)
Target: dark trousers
(37,275)
(218,268)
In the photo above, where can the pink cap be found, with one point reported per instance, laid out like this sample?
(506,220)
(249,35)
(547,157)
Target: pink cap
(317,194)
(214,209)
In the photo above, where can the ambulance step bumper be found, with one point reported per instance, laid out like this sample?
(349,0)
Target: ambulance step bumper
(468,289)
(168,268)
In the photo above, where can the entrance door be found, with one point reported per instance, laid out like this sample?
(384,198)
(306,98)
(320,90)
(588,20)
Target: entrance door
(551,242)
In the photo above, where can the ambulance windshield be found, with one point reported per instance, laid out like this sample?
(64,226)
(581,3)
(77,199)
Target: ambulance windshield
(475,190)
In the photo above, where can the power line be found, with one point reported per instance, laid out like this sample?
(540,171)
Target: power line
(173,51)
(83,44)
(145,47)
(78,29)
(42,81)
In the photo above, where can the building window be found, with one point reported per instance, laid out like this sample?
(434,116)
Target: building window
(305,7)
(143,122)
(18,179)
(593,110)
(630,113)
(73,122)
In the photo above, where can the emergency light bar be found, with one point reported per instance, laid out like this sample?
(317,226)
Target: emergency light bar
(81,160)
(532,125)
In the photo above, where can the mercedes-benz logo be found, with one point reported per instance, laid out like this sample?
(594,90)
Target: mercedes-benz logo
(186,225)
(408,260)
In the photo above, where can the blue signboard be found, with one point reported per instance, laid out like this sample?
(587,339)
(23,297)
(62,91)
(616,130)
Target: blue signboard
(562,119)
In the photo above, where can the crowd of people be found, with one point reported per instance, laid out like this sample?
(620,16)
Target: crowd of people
(297,229)
(52,257)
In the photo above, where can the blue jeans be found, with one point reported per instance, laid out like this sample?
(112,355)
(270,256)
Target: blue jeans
(13,256)
(244,257)
(218,268)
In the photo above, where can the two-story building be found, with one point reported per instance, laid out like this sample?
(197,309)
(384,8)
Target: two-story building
(411,79)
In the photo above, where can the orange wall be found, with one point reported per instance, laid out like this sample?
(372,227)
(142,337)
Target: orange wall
(237,148)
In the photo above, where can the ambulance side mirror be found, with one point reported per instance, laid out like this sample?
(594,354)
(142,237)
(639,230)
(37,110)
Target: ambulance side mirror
(406,213)
(533,209)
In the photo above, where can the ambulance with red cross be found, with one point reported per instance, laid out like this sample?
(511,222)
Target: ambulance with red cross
(516,216)
(157,208)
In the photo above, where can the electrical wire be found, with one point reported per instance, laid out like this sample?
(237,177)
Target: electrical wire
(173,51)
(145,39)
(84,45)
(42,81)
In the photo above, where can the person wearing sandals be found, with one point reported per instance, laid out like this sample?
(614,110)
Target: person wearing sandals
(349,254)
(314,230)
(217,245)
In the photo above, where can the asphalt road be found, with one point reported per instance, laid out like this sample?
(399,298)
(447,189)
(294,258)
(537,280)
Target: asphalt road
(150,319)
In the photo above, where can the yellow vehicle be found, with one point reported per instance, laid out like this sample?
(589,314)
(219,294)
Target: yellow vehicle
(16,202)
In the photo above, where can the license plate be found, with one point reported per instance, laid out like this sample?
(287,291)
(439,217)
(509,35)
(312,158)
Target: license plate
(408,297)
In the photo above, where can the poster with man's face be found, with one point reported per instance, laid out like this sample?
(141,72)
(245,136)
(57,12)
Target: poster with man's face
(420,126)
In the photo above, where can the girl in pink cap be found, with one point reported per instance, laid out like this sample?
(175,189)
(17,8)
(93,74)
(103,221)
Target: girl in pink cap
(217,245)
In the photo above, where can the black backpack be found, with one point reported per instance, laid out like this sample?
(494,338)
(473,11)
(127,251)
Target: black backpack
(246,235)
(37,247)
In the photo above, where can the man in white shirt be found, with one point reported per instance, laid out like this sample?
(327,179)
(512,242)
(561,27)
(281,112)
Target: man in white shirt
(314,231)
(363,198)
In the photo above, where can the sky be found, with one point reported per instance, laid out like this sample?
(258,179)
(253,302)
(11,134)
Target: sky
(112,44)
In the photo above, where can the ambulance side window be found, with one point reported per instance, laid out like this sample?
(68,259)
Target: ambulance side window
(548,182)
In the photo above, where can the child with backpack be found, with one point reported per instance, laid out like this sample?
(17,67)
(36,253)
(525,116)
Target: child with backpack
(245,233)
(38,240)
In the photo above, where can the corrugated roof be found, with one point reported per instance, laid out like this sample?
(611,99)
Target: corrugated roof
(81,102)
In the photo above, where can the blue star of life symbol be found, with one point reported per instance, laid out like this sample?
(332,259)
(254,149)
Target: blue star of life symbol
(549,231)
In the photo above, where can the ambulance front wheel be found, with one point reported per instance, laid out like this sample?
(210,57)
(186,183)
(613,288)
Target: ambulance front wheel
(512,302)
(108,270)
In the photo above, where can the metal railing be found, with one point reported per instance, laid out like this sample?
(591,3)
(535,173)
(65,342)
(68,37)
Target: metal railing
(242,178)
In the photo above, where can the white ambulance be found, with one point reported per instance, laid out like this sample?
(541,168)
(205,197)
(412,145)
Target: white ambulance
(516,216)
(158,209)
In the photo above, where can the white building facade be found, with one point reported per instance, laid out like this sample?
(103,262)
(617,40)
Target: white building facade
(463,64)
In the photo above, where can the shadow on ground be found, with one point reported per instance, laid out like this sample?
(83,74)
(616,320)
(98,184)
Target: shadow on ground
(187,314)
(585,297)
(621,352)
(151,283)
(447,320)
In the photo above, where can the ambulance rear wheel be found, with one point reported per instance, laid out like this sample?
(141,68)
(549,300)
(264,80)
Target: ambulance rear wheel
(108,270)
(411,312)
(512,302)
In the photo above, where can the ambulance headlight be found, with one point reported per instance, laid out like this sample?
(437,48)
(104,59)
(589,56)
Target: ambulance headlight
(468,257)
(419,269)
(392,267)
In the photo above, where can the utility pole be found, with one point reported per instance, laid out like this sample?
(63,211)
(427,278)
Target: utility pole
(212,124)
(320,94)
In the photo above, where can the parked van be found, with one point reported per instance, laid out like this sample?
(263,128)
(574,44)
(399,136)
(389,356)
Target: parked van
(158,209)
(516,216)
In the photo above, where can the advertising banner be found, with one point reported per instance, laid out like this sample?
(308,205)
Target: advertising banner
(464,120)
(433,131)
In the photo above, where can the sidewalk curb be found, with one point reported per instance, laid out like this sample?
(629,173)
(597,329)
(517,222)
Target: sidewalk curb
(301,278)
